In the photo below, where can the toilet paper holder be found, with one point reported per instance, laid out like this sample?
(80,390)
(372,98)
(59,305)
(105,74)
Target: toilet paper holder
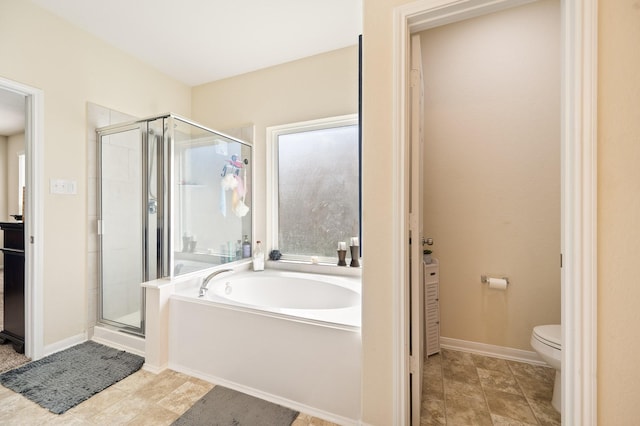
(484,279)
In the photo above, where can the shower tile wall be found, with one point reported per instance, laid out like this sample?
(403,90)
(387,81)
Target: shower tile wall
(98,116)
(121,194)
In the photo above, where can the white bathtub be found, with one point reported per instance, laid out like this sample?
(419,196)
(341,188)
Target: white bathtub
(323,298)
(288,337)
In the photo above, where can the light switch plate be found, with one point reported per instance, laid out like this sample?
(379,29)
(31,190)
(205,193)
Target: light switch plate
(63,186)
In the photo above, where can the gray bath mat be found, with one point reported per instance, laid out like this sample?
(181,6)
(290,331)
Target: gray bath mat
(226,407)
(64,379)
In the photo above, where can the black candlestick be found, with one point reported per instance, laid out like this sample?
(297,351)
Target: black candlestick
(355,254)
(342,254)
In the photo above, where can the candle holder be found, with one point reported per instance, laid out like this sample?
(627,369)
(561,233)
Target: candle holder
(355,254)
(342,254)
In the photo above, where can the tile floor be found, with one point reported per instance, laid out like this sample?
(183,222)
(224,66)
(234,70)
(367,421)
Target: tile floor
(140,399)
(468,389)
(459,389)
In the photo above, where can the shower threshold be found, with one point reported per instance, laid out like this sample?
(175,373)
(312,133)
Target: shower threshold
(119,338)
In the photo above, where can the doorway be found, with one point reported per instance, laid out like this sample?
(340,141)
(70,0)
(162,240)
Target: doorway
(29,156)
(492,202)
(12,189)
(578,192)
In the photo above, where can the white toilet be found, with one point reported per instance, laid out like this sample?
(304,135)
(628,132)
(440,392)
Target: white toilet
(546,340)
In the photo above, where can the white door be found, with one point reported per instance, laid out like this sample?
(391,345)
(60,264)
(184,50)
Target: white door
(416,231)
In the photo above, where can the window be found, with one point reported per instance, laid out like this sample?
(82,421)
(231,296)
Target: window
(314,191)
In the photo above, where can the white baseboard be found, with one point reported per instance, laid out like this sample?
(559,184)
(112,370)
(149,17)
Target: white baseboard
(154,369)
(512,354)
(65,343)
(268,397)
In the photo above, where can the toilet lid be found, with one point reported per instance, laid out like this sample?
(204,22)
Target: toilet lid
(549,335)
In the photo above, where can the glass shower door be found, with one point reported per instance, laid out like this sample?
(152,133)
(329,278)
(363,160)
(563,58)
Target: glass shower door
(173,197)
(122,226)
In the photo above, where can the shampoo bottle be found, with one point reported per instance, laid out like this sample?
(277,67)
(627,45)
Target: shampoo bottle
(246,248)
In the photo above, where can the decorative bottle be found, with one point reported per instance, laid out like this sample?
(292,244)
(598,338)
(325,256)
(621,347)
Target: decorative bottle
(246,248)
(238,250)
(258,257)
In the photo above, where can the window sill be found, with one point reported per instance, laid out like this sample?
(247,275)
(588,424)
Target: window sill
(314,268)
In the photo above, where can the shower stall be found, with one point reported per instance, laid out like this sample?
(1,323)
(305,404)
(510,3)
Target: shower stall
(174,197)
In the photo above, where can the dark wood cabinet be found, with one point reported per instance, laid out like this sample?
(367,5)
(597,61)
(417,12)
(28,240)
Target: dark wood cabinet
(13,252)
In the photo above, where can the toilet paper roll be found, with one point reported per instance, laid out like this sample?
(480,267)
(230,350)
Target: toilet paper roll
(497,283)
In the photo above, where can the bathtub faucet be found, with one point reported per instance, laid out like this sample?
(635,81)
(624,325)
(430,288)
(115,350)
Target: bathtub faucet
(205,282)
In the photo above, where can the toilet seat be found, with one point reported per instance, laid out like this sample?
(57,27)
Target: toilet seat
(549,335)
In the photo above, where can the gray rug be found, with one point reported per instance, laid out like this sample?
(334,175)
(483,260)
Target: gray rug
(226,407)
(64,379)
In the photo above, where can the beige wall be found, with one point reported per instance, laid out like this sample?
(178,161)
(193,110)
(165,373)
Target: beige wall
(72,68)
(492,171)
(618,212)
(15,146)
(378,198)
(319,86)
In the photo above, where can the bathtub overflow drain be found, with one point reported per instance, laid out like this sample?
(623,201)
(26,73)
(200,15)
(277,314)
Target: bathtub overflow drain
(228,289)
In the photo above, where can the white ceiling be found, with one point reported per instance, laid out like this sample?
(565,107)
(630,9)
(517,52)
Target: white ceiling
(199,41)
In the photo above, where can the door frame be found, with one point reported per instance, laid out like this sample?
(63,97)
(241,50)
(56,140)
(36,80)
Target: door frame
(416,230)
(578,204)
(33,220)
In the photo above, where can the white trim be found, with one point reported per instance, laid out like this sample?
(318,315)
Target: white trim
(399,219)
(579,184)
(154,369)
(579,118)
(65,343)
(427,14)
(502,352)
(33,221)
(119,340)
(273,132)
(303,408)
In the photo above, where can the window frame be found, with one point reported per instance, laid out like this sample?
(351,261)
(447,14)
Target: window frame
(272,181)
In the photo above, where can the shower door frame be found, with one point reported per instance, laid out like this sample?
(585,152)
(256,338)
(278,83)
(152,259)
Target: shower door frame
(162,229)
(164,151)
